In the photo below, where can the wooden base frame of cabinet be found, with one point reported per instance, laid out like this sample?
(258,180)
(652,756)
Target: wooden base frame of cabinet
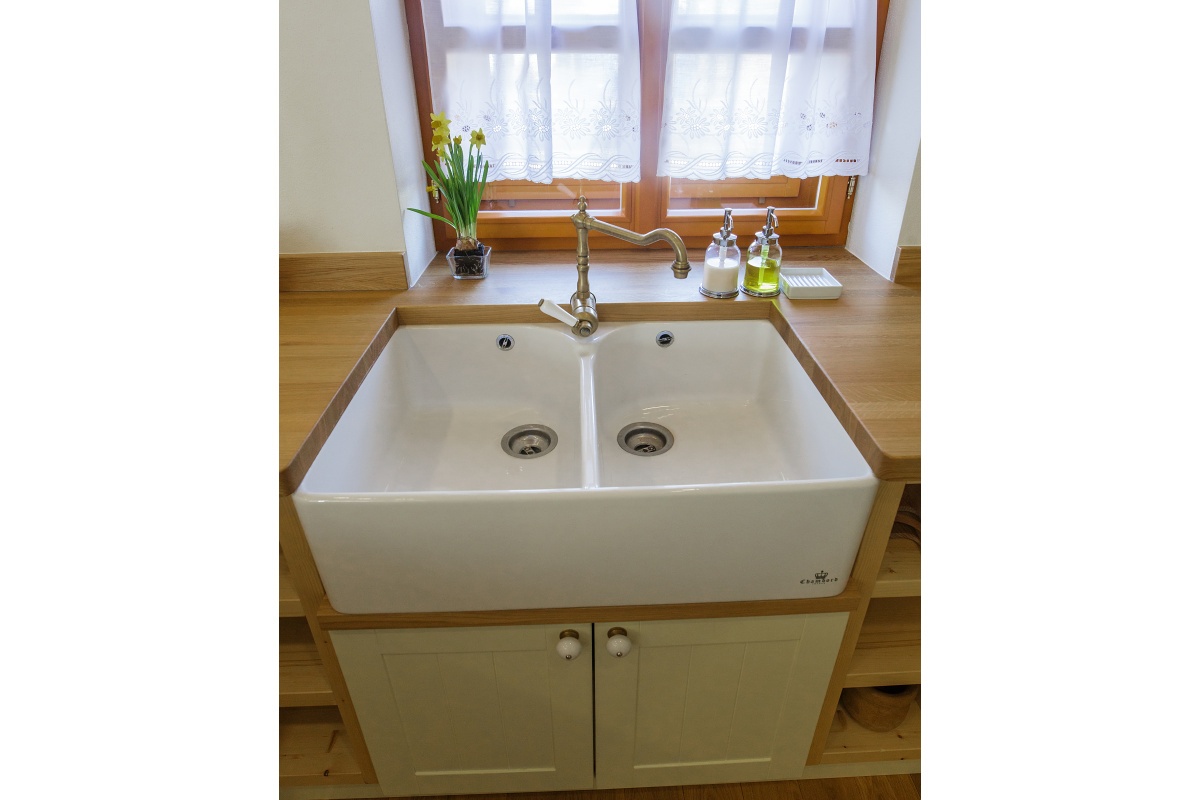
(888,652)
(850,743)
(860,769)
(314,749)
(862,580)
(311,591)
(289,598)
(302,678)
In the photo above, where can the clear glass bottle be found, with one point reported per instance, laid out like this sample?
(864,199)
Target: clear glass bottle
(721,262)
(762,261)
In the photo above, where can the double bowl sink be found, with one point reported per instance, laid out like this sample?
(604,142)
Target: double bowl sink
(489,466)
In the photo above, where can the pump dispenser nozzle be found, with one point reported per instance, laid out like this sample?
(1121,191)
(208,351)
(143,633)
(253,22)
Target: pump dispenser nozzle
(769,229)
(727,226)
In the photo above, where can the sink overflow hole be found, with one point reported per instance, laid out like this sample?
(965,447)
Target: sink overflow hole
(529,441)
(645,439)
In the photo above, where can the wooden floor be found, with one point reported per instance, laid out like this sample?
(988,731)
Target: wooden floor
(884,787)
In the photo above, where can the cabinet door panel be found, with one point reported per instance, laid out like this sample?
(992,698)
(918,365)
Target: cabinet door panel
(712,701)
(471,709)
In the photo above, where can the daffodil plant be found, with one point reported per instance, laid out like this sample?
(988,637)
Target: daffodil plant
(460,185)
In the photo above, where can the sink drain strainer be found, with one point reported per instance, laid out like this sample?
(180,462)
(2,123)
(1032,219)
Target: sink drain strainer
(645,439)
(529,441)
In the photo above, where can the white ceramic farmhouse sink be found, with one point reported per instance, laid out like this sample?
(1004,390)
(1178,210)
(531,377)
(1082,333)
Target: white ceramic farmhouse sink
(414,504)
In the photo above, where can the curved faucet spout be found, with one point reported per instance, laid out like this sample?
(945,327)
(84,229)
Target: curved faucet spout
(680,267)
(583,302)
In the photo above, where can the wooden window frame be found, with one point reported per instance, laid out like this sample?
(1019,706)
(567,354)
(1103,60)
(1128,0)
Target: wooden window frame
(643,205)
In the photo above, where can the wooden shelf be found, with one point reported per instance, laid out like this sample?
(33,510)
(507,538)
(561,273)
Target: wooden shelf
(314,749)
(850,743)
(884,666)
(302,680)
(289,599)
(900,573)
(889,644)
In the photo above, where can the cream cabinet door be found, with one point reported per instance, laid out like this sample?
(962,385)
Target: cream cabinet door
(711,701)
(464,710)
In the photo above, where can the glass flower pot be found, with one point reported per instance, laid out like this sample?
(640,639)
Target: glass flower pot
(469,264)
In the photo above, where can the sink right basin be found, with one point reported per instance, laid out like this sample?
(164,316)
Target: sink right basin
(738,405)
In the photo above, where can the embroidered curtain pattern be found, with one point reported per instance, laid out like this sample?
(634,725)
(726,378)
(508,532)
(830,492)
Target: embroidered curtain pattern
(757,88)
(555,86)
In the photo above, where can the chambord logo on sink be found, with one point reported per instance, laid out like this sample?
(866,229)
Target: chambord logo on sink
(820,577)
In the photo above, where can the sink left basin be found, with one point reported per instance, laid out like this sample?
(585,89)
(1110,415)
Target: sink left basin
(431,414)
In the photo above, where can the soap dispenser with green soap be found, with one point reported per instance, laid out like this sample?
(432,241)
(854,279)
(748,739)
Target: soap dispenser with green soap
(762,260)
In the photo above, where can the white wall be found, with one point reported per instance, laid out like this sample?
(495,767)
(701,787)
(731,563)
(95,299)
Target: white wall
(337,184)
(883,193)
(404,130)
(910,227)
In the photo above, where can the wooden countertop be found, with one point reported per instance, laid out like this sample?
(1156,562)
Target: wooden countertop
(863,350)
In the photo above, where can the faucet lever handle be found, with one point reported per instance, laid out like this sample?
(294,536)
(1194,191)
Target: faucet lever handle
(554,310)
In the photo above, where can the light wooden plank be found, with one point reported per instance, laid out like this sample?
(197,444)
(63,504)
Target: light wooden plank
(900,572)
(849,742)
(335,620)
(314,749)
(289,598)
(877,769)
(892,621)
(302,679)
(897,665)
(340,272)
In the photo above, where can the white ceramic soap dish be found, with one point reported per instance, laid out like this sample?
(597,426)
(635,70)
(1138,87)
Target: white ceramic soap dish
(809,283)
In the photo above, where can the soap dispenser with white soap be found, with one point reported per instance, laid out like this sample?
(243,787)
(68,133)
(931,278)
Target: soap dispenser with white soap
(721,262)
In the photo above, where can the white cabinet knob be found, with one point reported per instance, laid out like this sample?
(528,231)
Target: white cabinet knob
(568,645)
(618,644)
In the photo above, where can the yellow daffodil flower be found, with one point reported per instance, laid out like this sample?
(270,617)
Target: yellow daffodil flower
(462,184)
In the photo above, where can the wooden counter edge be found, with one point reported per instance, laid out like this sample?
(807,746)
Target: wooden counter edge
(885,466)
(291,475)
(331,619)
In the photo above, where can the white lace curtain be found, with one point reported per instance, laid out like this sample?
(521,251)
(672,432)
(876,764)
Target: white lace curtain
(555,86)
(757,88)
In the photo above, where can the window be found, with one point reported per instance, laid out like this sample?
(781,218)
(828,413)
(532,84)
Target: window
(531,215)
